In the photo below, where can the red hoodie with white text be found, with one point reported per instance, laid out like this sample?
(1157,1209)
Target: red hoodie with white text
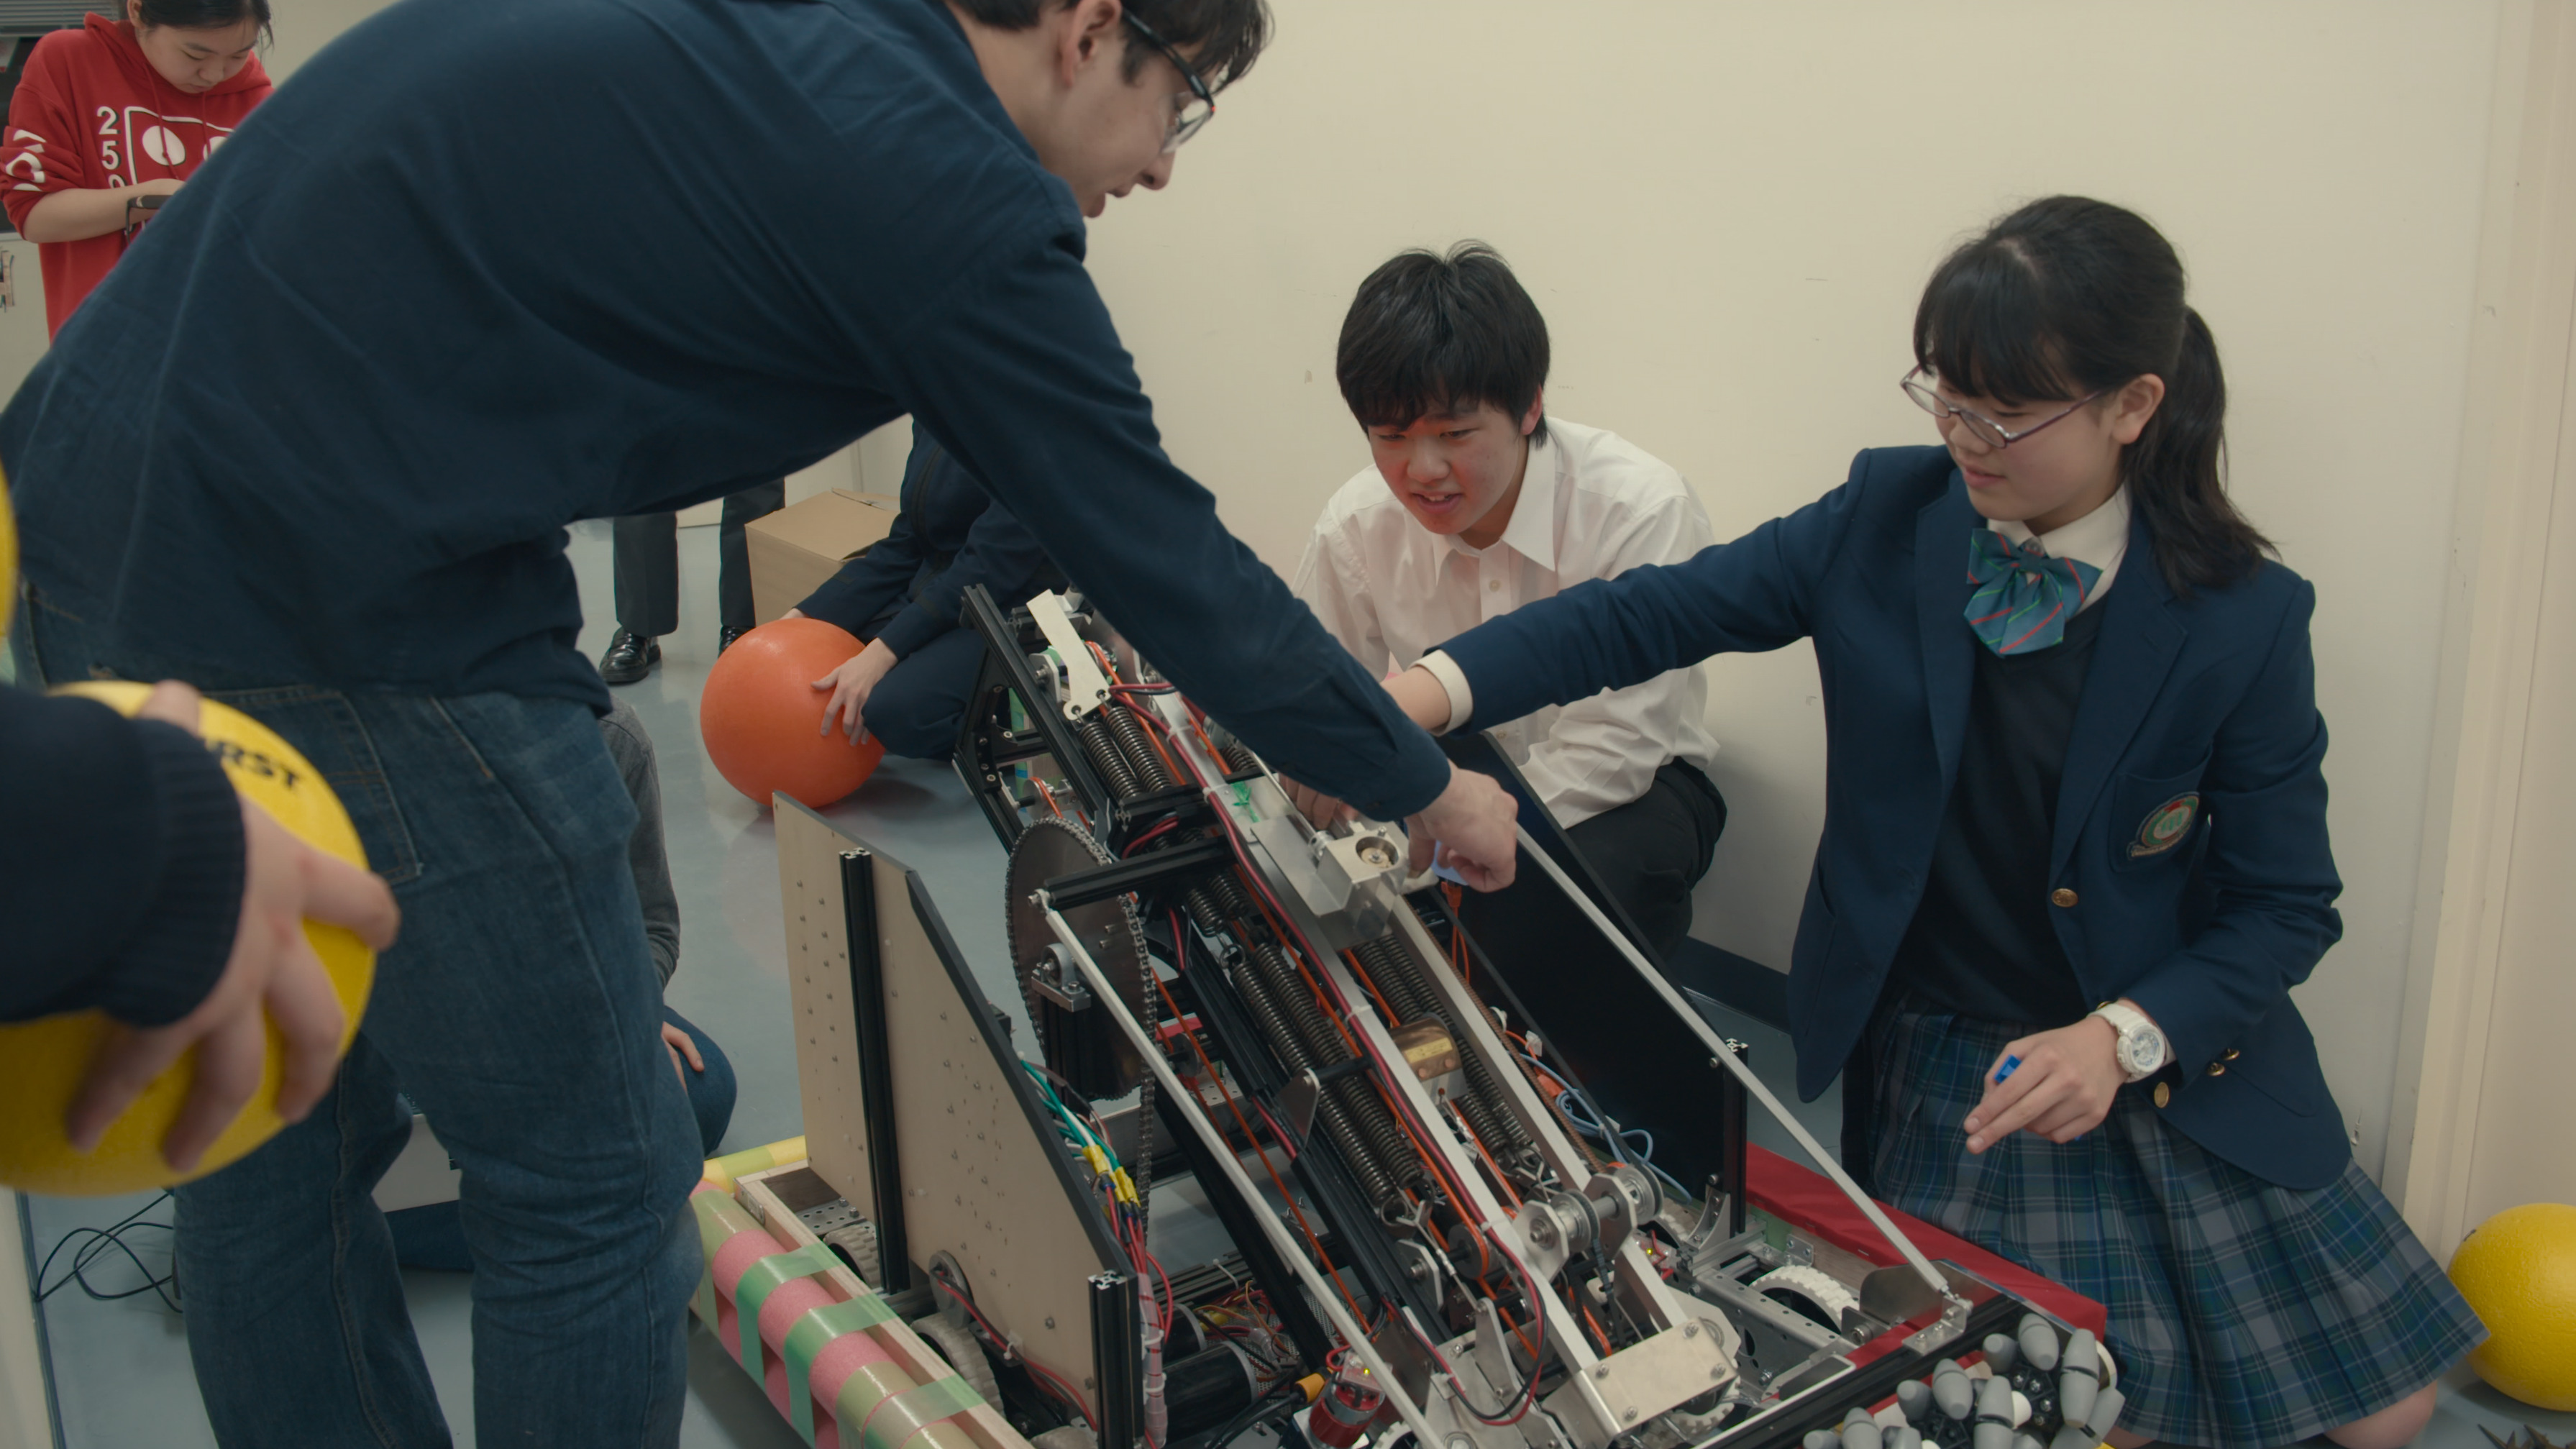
(92,114)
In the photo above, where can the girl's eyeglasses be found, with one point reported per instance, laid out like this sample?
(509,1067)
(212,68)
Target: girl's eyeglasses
(1196,108)
(1993,434)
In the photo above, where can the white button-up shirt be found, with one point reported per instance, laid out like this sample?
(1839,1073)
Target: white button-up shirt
(1592,505)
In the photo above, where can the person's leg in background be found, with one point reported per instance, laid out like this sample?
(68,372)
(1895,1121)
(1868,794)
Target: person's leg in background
(733,558)
(711,1086)
(916,708)
(1650,852)
(644,559)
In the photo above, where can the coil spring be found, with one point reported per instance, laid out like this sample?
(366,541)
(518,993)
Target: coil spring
(1367,1109)
(1147,760)
(1237,758)
(1107,758)
(1395,974)
(1331,1112)
(1358,1096)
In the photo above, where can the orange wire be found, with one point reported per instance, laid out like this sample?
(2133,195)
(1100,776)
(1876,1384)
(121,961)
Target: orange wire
(1263,1153)
(1049,795)
(1352,958)
(1517,1331)
(1459,960)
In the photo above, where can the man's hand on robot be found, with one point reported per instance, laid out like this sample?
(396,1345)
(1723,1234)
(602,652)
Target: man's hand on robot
(1472,825)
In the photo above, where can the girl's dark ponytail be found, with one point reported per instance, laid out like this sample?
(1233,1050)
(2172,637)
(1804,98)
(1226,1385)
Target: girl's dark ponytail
(2068,296)
(2175,473)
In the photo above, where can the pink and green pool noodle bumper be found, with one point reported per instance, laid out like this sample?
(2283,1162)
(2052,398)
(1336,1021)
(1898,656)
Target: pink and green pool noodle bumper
(817,1354)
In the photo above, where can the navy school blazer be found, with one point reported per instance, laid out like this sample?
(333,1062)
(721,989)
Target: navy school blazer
(2211,696)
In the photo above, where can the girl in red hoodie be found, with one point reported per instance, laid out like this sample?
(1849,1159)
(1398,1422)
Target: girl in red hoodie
(117,111)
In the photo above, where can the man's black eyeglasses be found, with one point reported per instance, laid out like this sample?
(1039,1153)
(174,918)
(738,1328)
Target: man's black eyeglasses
(1189,112)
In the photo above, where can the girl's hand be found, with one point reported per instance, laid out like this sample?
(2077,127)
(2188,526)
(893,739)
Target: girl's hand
(850,686)
(2062,1089)
(680,1046)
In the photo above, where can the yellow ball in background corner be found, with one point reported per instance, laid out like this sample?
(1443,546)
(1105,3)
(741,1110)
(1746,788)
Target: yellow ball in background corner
(2518,1270)
(42,1062)
(8,558)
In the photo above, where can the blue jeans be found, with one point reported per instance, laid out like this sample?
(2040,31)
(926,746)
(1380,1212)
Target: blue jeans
(432,1236)
(521,1011)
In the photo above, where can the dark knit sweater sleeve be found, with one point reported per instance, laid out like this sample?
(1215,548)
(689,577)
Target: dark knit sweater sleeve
(120,863)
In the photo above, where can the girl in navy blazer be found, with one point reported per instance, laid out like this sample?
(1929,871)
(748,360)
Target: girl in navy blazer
(2075,850)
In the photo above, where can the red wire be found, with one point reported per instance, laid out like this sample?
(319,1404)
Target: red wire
(1063,1389)
(1163,829)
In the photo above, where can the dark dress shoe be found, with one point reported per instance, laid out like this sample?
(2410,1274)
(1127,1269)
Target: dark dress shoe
(728,634)
(630,657)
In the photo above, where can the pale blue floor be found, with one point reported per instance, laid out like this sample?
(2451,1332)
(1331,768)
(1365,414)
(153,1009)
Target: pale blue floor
(121,1369)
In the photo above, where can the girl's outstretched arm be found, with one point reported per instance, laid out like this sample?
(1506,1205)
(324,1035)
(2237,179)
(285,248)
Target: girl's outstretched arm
(1752,595)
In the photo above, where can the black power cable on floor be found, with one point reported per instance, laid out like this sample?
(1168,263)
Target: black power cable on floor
(96,1243)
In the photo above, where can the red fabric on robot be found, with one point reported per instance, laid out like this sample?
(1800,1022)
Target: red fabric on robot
(92,114)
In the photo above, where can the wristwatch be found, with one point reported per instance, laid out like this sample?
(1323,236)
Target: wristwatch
(2140,1048)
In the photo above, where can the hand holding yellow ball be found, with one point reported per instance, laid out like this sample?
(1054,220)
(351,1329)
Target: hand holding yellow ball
(99,1107)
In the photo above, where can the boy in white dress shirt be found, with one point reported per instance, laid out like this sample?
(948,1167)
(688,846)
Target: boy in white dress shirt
(1479,503)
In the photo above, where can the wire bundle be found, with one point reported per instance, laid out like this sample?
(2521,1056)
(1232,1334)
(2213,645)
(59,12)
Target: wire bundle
(96,1243)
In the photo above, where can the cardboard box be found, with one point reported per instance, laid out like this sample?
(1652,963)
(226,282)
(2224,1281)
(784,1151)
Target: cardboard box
(795,549)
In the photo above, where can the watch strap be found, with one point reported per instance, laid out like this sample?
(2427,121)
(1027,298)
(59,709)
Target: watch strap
(2125,1022)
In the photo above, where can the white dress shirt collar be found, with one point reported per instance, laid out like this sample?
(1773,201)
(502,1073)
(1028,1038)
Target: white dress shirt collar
(2100,538)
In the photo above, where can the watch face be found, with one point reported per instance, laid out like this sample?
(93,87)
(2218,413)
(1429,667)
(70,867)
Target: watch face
(2141,1052)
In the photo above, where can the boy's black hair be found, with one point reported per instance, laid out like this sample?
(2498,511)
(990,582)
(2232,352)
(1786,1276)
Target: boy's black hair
(1222,37)
(1432,334)
(2069,296)
(203,14)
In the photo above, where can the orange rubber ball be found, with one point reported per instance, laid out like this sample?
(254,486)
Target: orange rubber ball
(762,717)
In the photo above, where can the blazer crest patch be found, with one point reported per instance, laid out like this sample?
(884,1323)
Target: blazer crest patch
(2166,826)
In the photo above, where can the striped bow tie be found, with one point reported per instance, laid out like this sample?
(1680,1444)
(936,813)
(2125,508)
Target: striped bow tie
(2024,598)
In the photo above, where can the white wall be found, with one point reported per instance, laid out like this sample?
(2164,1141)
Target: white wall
(1727,212)
(24,1420)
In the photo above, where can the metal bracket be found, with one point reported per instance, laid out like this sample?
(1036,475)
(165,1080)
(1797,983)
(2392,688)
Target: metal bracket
(1945,1330)
(1297,1104)
(1080,686)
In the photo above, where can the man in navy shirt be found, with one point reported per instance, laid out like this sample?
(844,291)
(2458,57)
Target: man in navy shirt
(489,267)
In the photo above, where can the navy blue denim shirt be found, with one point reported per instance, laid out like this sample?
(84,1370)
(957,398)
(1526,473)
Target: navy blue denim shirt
(486,268)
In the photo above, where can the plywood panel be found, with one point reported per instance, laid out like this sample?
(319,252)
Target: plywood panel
(984,1180)
(818,987)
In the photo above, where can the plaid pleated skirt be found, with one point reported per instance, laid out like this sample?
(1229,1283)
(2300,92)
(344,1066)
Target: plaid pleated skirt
(2241,1313)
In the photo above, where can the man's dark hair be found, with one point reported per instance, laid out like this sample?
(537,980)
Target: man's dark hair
(1222,37)
(1441,334)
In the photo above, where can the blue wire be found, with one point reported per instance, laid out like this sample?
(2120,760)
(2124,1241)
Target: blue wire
(1635,1143)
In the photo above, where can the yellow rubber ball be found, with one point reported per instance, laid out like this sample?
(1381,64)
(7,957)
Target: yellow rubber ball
(2518,1270)
(42,1062)
(8,558)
